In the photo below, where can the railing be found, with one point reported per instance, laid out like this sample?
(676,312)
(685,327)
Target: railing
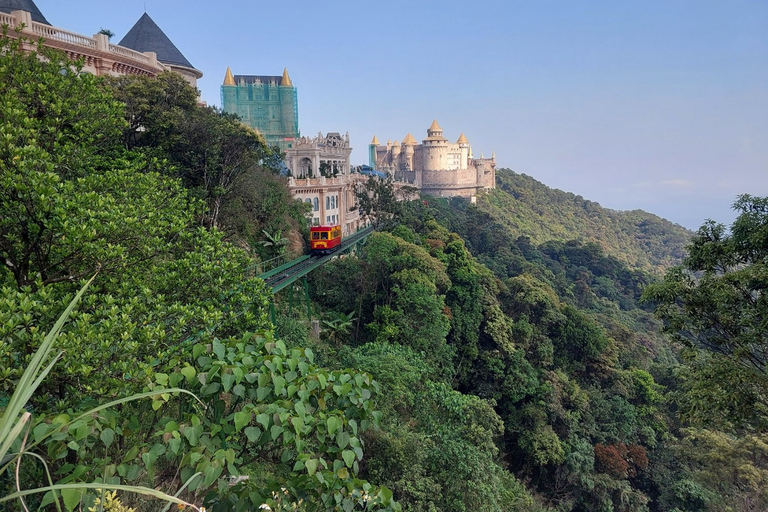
(129,54)
(314,182)
(267,265)
(7,19)
(57,34)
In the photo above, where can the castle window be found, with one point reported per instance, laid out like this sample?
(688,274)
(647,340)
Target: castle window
(327,203)
(316,204)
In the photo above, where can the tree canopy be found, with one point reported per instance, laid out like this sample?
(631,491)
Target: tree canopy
(716,304)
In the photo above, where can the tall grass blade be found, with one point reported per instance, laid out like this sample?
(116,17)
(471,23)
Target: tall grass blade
(29,380)
(100,485)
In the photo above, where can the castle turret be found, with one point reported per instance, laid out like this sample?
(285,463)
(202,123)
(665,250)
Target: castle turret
(464,148)
(396,154)
(289,105)
(229,93)
(409,145)
(435,148)
(372,152)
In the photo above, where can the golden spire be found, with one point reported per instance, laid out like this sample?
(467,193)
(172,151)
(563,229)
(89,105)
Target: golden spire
(228,78)
(462,139)
(409,140)
(286,81)
(375,140)
(470,152)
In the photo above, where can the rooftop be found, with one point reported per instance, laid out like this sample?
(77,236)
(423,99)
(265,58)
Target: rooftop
(146,36)
(23,5)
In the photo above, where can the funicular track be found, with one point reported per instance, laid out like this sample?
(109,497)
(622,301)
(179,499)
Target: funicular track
(286,274)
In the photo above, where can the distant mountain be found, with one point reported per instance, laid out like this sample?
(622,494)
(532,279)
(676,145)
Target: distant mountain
(529,208)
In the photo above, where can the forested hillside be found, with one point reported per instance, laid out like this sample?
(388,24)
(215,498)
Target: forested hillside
(503,356)
(528,208)
(525,376)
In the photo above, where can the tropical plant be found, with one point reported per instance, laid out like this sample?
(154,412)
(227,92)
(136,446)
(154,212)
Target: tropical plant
(16,425)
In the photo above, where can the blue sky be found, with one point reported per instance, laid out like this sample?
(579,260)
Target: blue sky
(660,105)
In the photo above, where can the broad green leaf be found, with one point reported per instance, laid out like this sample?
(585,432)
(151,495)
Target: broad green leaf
(72,497)
(264,419)
(242,418)
(253,434)
(349,457)
(189,372)
(107,437)
(334,424)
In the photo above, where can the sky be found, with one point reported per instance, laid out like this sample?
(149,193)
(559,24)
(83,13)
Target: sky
(660,105)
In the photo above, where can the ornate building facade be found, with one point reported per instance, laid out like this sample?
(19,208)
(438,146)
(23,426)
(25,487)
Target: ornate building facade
(320,175)
(437,166)
(145,49)
(268,104)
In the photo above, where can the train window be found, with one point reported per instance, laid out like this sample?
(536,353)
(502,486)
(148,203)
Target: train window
(315,236)
(324,235)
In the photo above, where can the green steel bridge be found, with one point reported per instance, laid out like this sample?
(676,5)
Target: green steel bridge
(285,275)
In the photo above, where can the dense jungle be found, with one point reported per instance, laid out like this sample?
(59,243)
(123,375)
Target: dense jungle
(530,352)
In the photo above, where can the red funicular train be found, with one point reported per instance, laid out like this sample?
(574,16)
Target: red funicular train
(324,239)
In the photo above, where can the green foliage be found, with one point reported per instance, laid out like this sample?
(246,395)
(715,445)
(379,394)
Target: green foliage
(377,202)
(715,304)
(16,424)
(216,157)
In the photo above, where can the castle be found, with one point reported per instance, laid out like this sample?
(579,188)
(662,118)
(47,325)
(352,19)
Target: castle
(268,104)
(436,167)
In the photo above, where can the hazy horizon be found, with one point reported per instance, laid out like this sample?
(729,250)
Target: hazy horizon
(659,106)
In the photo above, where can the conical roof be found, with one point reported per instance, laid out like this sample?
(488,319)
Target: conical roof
(462,139)
(409,140)
(23,5)
(435,127)
(146,36)
(228,78)
(286,80)
(375,140)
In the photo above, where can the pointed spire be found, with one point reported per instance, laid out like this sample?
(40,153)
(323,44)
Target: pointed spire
(462,139)
(493,155)
(435,127)
(409,140)
(375,141)
(146,36)
(286,80)
(9,6)
(228,78)
(470,152)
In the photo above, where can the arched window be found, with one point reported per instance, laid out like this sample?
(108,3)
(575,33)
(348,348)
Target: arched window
(305,167)
(316,204)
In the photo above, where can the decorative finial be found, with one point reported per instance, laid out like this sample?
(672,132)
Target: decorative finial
(228,78)
(286,81)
